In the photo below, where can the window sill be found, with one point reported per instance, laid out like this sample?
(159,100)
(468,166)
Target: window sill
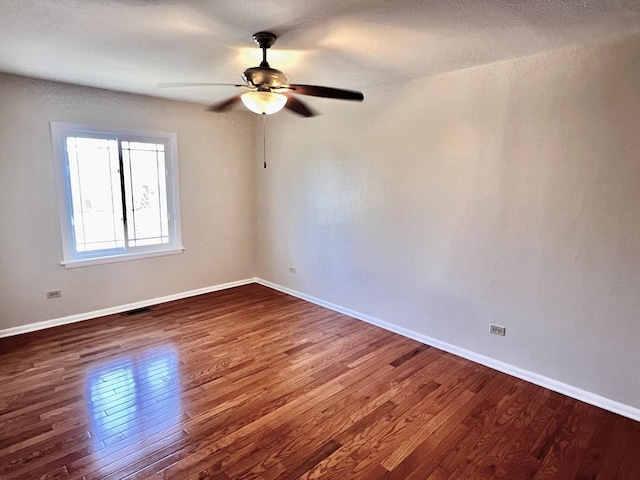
(120,258)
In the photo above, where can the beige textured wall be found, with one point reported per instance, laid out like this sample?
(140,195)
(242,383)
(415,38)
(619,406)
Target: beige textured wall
(508,193)
(217,186)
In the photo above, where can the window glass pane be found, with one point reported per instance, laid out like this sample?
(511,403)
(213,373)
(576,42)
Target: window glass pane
(95,194)
(142,146)
(146,193)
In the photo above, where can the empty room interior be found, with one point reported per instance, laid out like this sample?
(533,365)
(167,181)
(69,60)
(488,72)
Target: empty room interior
(329,239)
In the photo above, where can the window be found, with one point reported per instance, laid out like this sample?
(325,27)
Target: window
(117,193)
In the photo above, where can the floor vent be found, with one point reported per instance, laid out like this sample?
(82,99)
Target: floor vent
(136,311)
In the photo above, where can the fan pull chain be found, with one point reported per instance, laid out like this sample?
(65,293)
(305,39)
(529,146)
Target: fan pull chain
(264,140)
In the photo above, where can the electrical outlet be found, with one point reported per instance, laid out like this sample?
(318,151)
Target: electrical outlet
(292,270)
(497,329)
(54,294)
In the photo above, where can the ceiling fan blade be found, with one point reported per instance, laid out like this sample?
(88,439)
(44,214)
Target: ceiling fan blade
(327,92)
(224,106)
(190,84)
(297,106)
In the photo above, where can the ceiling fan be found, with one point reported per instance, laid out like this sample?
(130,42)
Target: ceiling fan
(268,90)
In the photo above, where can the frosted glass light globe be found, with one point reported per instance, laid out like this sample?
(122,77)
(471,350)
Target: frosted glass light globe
(264,102)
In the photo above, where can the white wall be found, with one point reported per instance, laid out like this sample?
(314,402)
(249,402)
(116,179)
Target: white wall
(508,193)
(217,186)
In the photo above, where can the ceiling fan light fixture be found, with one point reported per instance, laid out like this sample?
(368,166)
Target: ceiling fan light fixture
(264,102)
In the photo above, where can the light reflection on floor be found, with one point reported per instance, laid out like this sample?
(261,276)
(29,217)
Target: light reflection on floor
(131,399)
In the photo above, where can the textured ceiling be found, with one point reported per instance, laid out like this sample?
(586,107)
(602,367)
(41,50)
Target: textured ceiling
(131,45)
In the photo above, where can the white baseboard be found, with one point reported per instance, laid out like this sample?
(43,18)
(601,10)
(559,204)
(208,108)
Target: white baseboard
(532,377)
(32,327)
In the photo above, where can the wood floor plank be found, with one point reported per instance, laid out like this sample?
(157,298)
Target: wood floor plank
(366,400)
(252,383)
(425,457)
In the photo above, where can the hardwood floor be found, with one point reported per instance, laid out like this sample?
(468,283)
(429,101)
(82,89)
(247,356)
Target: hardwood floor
(252,383)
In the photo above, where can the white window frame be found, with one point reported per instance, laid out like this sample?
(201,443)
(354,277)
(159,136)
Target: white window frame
(72,258)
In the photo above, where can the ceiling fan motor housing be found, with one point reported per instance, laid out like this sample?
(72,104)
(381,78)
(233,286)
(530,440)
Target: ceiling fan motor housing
(264,76)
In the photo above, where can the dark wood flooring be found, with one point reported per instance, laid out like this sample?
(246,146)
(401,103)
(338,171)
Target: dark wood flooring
(252,383)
